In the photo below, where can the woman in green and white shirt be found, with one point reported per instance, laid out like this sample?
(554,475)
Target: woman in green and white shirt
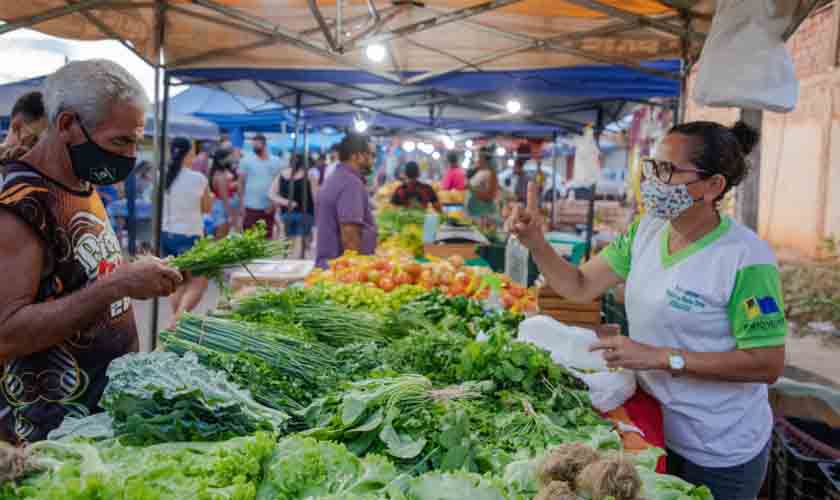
(704,305)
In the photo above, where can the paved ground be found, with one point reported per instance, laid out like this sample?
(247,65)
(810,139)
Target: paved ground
(810,358)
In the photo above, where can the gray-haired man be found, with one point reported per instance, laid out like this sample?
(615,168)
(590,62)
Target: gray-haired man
(65,307)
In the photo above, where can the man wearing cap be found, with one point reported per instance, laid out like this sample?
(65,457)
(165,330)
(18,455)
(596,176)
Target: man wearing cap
(256,173)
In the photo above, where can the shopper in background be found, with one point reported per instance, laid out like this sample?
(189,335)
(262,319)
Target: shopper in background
(332,163)
(27,122)
(343,216)
(201,163)
(223,183)
(292,194)
(481,203)
(454,179)
(415,194)
(520,178)
(187,200)
(256,173)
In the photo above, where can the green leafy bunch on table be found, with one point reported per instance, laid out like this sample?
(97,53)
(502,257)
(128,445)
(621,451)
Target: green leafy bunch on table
(308,393)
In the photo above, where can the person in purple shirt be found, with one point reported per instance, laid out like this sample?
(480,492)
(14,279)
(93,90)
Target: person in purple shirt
(343,215)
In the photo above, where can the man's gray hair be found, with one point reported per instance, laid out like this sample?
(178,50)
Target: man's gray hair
(90,88)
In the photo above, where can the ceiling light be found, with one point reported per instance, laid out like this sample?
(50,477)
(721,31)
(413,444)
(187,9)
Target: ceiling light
(513,106)
(436,156)
(375,52)
(448,142)
(360,125)
(500,151)
(408,146)
(469,143)
(511,162)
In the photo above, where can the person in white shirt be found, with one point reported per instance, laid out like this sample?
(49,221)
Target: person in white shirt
(704,306)
(332,163)
(187,199)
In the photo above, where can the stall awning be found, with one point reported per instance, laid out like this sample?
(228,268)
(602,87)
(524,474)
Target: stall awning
(432,37)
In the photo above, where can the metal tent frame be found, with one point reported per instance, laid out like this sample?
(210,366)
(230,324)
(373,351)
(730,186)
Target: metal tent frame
(680,23)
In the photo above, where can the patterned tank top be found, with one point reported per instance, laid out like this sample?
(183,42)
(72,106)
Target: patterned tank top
(38,390)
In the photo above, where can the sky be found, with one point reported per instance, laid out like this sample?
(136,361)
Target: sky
(27,54)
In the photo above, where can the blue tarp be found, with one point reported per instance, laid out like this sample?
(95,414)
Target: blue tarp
(571,97)
(230,111)
(585,81)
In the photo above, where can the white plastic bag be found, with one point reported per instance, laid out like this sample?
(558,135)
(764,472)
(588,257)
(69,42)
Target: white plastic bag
(609,390)
(569,346)
(745,63)
(587,159)
(517,257)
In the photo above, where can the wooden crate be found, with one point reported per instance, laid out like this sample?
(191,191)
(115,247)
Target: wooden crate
(569,312)
(443,251)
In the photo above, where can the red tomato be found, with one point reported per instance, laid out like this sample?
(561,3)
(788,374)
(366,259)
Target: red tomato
(463,277)
(508,300)
(413,269)
(386,284)
(402,278)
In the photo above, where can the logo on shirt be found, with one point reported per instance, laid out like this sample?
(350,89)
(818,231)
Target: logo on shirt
(685,300)
(756,307)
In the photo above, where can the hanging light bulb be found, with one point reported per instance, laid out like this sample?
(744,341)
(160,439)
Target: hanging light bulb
(468,154)
(511,162)
(500,151)
(360,125)
(513,106)
(469,144)
(408,146)
(436,155)
(448,142)
(375,52)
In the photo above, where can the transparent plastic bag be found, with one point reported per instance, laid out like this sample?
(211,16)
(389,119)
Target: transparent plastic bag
(745,41)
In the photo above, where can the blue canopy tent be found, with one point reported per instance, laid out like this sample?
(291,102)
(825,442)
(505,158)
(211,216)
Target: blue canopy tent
(232,113)
(554,100)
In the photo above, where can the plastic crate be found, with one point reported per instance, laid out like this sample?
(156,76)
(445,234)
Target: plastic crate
(832,474)
(800,447)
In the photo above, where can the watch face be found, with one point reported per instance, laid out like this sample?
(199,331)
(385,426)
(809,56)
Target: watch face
(677,362)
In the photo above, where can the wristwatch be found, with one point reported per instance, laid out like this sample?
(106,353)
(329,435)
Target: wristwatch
(676,362)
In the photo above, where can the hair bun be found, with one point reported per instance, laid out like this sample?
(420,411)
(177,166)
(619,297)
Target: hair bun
(746,135)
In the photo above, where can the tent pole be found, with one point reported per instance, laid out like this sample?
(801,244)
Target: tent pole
(305,190)
(159,195)
(553,180)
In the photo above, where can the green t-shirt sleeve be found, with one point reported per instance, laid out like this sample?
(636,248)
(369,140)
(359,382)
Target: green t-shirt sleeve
(756,309)
(617,253)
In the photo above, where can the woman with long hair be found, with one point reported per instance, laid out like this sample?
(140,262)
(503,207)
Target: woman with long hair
(291,193)
(187,200)
(483,191)
(222,177)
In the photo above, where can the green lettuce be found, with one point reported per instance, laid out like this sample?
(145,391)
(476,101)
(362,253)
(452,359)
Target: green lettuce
(305,468)
(228,470)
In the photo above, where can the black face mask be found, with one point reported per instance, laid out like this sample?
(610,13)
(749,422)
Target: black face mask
(94,164)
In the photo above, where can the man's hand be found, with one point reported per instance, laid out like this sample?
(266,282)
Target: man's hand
(527,225)
(622,352)
(146,278)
